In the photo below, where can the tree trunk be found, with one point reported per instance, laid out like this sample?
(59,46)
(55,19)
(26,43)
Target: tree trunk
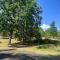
(10,40)
(10,37)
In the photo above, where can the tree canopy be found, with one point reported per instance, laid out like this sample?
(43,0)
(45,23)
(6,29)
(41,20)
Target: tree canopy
(21,17)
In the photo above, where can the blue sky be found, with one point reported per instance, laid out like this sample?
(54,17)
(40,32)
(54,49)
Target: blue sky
(51,11)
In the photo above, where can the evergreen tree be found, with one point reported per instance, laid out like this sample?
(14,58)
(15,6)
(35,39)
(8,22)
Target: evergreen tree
(53,29)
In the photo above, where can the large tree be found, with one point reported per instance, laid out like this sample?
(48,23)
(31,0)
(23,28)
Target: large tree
(19,16)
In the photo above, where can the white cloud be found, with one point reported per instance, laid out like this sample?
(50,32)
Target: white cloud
(44,26)
(58,29)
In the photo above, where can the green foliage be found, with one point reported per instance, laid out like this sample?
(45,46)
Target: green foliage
(53,29)
(28,26)
(47,33)
(58,34)
(21,18)
(42,32)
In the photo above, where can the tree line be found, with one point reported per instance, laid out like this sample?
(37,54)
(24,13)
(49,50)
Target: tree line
(51,32)
(21,19)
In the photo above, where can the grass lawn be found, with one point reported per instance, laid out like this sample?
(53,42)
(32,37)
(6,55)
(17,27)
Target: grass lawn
(30,50)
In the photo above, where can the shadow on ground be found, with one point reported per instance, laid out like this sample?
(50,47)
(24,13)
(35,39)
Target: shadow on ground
(5,56)
(35,43)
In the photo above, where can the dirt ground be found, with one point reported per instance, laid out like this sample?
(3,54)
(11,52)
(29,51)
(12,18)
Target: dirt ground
(26,53)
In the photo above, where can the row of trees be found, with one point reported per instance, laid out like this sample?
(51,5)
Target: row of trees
(51,32)
(20,18)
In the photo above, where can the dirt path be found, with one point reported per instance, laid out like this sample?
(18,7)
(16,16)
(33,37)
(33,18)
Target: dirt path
(23,54)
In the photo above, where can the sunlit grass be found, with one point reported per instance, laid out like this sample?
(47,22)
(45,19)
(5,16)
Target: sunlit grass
(4,42)
(30,50)
(47,51)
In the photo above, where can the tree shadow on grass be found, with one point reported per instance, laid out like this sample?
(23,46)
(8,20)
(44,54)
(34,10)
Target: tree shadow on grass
(22,56)
(50,41)
(0,42)
(35,43)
